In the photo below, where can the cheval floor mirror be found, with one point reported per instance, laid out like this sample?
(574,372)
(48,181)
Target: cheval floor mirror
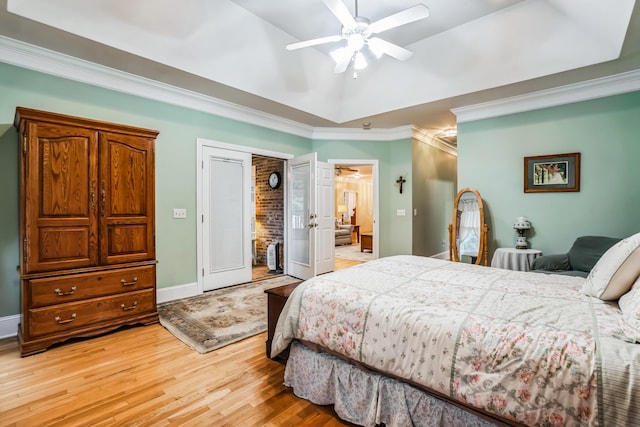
(468,231)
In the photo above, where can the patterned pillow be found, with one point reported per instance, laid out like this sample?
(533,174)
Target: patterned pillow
(614,273)
(630,306)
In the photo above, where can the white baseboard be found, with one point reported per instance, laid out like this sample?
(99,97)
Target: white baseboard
(176,292)
(442,255)
(9,326)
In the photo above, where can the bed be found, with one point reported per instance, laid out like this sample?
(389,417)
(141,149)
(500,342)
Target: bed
(409,340)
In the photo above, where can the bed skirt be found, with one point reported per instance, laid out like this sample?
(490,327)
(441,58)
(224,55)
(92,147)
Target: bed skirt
(367,398)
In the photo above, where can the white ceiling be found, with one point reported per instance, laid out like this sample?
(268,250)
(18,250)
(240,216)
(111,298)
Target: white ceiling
(467,51)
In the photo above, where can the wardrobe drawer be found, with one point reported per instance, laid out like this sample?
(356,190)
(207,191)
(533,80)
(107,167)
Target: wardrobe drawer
(75,287)
(74,315)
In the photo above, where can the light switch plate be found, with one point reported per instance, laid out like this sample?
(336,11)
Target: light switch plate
(179,213)
(401,212)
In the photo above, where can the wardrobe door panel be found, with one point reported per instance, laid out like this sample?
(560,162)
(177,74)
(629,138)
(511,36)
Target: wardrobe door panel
(59,176)
(127,202)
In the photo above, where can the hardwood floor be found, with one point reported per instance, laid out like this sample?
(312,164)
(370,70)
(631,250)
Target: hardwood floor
(345,263)
(261,272)
(144,376)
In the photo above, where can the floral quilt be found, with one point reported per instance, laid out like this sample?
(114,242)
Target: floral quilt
(523,346)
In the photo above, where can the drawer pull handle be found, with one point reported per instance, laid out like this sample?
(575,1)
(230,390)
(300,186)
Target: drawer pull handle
(60,293)
(131,283)
(62,322)
(125,308)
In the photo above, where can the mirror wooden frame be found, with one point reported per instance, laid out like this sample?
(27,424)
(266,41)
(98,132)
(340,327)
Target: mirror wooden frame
(483,250)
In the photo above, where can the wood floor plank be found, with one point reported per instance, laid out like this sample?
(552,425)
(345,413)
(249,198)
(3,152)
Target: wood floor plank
(126,379)
(144,376)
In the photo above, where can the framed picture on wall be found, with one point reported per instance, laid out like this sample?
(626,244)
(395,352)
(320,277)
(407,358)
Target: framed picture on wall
(552,173)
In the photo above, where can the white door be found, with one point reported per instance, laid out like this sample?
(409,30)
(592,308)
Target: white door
(325,231)
(226,219)
(307,236)
(301,223)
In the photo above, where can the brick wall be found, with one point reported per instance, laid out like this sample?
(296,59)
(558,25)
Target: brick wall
(269,207)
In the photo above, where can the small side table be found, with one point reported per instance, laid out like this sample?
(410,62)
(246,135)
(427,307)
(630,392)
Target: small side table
(514,259)
(366,242)
(276,299)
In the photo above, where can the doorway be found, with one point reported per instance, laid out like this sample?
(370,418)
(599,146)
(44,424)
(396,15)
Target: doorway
(356,209)
(249,251)
(320,222)
(267,217)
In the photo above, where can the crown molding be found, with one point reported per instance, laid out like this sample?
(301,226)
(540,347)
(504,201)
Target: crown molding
(357,134)
(47,61)
(576,92)
(432,139)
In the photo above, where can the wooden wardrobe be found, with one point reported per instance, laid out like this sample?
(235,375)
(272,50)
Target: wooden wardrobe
(87,227)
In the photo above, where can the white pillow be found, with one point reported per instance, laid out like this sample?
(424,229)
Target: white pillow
(630,306)
(614,273)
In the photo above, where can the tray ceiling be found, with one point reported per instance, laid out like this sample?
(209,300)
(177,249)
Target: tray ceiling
(467,51)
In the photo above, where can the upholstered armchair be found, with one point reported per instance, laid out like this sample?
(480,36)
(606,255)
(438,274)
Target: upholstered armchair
(343,234)
(583,255)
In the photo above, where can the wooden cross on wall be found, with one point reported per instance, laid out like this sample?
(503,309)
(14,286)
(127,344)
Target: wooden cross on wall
(401,181)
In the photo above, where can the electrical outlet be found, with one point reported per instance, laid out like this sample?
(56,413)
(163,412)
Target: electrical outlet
(179,213)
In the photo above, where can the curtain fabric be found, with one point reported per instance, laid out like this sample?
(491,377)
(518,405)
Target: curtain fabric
(469,231)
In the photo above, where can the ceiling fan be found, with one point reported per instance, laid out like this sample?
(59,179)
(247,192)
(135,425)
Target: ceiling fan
(339,169)
(358,31)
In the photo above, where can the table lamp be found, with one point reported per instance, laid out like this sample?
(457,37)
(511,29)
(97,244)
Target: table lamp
(521,225)
(342,209)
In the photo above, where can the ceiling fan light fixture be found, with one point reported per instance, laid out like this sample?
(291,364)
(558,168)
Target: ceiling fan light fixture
(341,54)
(357,32)
(355,42)
(449,133)
(359,63)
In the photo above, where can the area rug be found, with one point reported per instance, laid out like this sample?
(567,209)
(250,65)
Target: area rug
(352,252)
(217,318)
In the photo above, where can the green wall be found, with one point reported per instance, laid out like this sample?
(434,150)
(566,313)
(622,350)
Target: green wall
(394,160)
(175,162)
(434,191)
(175,167)
(605,131)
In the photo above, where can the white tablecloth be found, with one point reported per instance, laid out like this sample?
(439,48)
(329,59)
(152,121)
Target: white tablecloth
(514,259)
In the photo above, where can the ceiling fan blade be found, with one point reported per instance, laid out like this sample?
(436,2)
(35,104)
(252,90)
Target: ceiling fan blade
(393,50)
(415,13)
(341,12)
(313,42)
(342,65)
